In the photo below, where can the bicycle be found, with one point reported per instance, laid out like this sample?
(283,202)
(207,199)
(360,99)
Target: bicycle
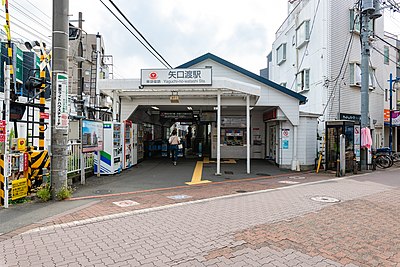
(385,158)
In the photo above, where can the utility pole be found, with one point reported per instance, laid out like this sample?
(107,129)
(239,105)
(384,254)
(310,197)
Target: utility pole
(365,54)
(59,96)
(80,100)
(370,9)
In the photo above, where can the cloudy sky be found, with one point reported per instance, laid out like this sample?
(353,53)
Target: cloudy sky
(241,32)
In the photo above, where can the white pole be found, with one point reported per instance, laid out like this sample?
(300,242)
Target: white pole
(248,132)
(98,44)
(6,141)
(295,163)
(115,105)
(218,133)
(97,105)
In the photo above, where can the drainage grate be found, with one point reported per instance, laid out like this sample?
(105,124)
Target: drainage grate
(241,191)
(228,172)
(263,174)
(102,192)
(325,199)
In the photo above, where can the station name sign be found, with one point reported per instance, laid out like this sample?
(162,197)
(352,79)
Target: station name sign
(155,77)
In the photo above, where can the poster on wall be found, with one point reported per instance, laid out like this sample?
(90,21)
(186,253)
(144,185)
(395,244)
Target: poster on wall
(357,141)
(285,138)
(92,135)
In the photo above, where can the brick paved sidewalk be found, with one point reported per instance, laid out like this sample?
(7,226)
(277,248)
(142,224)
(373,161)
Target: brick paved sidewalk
(103,205)
(272,228)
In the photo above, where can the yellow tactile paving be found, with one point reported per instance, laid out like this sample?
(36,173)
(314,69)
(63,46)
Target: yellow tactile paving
(197,173)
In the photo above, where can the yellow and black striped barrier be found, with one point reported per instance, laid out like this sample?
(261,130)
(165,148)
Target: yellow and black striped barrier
(2,184)
(37,161)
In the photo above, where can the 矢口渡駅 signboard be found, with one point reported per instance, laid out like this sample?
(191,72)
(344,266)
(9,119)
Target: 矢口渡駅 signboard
(156,77)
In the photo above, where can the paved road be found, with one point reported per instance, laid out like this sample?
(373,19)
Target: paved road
(275,227)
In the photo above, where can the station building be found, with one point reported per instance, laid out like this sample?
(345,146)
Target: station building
(235,113)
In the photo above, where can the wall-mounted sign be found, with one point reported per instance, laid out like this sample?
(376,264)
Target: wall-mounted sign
(155,77)
(350,117)
(19,188)
(234,122)
(285,138)
(176,115)
(395,117)
(270,115)
(61,119)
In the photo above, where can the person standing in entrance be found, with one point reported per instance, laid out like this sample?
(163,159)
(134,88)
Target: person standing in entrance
(174,141)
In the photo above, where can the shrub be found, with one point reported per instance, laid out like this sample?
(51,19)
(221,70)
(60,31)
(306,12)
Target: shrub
(64,193)
(44,192)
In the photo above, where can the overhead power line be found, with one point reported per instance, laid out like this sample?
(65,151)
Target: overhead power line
(153,51)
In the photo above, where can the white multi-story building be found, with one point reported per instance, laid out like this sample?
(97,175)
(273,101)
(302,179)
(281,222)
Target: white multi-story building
(317,53)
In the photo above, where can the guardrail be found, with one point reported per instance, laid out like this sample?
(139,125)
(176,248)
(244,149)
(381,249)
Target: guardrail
(74,158)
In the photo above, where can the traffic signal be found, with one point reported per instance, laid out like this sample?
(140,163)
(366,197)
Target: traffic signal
(32,83)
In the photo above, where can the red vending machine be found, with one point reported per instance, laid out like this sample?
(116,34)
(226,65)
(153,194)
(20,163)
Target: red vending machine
(128,144)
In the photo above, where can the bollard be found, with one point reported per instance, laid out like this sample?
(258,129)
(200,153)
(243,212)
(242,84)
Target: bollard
(374,162)
(338,168)
(355,166)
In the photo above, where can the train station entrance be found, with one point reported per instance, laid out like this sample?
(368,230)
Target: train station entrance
(222,112)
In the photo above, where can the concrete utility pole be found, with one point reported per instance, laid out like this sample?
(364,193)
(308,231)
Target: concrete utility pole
(59,100)
(365,54)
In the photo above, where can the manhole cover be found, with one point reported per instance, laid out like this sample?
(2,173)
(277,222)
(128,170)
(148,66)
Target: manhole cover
(288,182)
(102,192)
(228,172)
(297,177)
(126,203)
(179,197)
(241,191)
(325,199)
(263,174)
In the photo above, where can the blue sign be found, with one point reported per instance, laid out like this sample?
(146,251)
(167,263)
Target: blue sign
(285,144)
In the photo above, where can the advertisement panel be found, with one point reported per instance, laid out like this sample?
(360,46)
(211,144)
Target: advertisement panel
(155,77)
(92,135)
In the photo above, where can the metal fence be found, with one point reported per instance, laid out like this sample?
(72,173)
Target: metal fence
(74,158)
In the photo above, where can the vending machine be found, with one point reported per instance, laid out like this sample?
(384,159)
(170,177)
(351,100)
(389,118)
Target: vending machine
(127,129)
(135,144)
(111,155)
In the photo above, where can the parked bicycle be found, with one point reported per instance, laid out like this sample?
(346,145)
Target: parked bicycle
(385,158)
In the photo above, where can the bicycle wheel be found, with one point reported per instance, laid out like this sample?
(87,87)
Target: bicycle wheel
(383,161)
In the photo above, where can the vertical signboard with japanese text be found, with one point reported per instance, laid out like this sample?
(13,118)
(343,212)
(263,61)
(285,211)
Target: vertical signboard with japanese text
(61,116)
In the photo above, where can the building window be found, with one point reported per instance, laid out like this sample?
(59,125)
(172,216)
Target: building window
(303,33)
(386,55)
(303,80)
(355,22)
(386,95)
(355,75)
(281,54)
